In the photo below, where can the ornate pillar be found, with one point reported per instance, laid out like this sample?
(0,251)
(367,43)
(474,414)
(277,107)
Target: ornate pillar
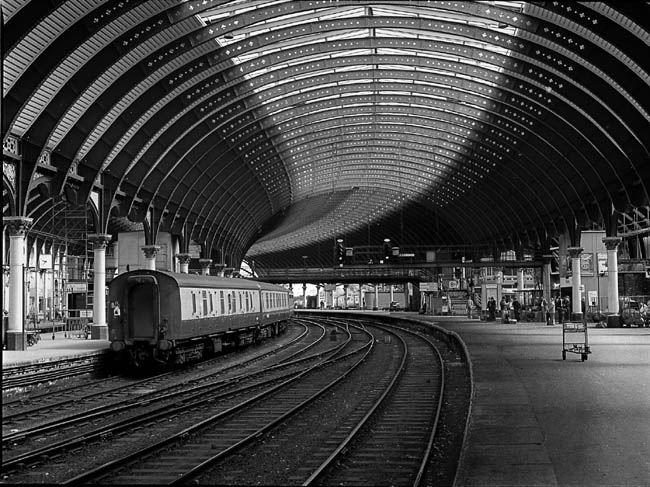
(205,266)
(546,276)
(611,244)
(150,252)
(99,329)
(576,297)
(304,295)
(227,271)
(376,306)
(183,263)
(18,227)
(361,306)
(345,296)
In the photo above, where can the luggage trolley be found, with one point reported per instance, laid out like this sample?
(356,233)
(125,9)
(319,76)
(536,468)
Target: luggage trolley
(577,341)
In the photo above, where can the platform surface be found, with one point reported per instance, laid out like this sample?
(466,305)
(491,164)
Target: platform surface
(540,420)
(62,347)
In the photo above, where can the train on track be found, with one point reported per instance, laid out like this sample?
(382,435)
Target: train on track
(173,318)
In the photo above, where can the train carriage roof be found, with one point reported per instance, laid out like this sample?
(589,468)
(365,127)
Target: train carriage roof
(200,281)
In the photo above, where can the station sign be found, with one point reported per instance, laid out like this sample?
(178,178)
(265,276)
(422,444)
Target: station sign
(428,287)
(76,287)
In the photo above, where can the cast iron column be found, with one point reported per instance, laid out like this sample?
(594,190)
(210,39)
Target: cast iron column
(613,318)
(99,329)
(183,263)
(18,227)
(150,252)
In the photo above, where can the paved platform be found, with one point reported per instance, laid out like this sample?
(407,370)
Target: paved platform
(47,349)
(539,420)
(536,420)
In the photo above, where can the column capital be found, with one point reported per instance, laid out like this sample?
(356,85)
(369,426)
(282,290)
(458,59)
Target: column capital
(218,269)
(183,258)
(150,251)
(574,252)
(100,240)
(18,225)
(612,243)
(205,266)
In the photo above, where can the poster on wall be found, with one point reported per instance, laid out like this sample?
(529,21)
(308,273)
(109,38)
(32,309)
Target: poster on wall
(602,262)
(587,262)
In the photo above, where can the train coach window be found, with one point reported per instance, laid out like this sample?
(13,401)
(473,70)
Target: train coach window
(193,303)
(223,303)
(211,304)
(205,303)
(240,301)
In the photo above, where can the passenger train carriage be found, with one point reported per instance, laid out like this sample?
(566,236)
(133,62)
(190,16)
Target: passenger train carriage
(158,316)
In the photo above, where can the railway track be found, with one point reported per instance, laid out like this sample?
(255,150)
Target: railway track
(52,405)
(359,406)
(26,376)
(25,446)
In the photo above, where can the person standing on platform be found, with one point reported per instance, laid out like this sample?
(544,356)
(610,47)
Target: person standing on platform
(551,312)
(566,307)
(506,310)
(492,309)
(544,307)
(516,306)
(470,304)
(560,310)
(502,307)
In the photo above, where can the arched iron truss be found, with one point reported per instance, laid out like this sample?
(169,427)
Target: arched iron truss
(266,129)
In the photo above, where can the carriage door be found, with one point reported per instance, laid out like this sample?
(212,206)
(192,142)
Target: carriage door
(143,307)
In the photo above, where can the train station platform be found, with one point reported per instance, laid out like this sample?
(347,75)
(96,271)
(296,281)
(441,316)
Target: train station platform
(65,345)
(536,419)
(540,420)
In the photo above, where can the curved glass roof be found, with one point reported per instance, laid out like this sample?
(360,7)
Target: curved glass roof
(266,129)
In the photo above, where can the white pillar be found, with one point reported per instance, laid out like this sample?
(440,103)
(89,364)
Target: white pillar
(99,329)
(304,296)
(376,296)
(520,285)
(18,227)
(576,281)
(546,276)
(183,263)
(150,252)
(611,244)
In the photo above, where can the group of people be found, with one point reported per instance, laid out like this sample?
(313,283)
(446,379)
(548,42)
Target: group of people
(504,307)
(549,307)
(559,304)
